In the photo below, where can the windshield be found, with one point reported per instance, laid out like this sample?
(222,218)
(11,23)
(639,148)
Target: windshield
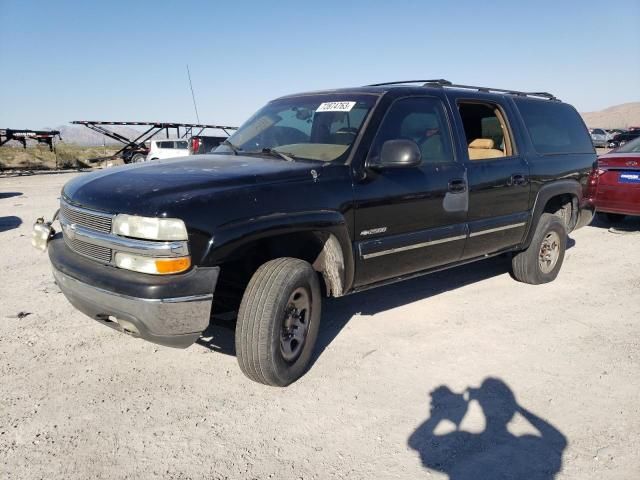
(630,147)
(314,127)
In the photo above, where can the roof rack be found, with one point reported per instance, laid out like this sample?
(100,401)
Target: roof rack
(446,83)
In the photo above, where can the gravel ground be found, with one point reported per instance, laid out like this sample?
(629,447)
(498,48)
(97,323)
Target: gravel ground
(554,372)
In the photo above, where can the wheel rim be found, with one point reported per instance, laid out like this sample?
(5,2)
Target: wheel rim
(549,252)
(295,324)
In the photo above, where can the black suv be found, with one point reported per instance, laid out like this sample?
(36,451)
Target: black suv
(322,194)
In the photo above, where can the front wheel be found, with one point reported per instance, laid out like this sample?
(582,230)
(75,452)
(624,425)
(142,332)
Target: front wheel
(278,322)
(541,262)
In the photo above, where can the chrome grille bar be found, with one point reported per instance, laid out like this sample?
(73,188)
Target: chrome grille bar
(97,221)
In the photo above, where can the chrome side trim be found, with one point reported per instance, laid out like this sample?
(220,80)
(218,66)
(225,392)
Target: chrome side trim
(442,240)
(124,244)
(414,246)
(497,229)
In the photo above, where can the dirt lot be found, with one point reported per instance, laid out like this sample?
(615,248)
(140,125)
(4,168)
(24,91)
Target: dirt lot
(78,400)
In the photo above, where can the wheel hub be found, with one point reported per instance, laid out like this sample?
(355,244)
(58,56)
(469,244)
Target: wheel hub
(295,324)
(549,252)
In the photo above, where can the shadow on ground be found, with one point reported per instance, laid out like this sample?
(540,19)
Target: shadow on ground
(628,224)
(9,223)
(494,453)
(337,312)
(9,194)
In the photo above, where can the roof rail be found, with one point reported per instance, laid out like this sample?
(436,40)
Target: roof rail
(439,81)
(446,83)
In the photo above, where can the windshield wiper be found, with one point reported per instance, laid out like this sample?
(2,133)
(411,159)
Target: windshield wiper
(275,153)
(233,148)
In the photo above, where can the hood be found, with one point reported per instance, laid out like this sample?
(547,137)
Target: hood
(147,188)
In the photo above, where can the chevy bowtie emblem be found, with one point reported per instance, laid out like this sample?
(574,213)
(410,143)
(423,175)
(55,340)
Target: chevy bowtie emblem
(632,163)
(70,230)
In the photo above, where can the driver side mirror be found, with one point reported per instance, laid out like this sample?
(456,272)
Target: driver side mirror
(399,153)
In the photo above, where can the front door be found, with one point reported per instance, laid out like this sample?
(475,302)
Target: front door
(411,219)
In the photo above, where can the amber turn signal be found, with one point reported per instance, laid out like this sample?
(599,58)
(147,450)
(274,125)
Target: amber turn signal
(173,265)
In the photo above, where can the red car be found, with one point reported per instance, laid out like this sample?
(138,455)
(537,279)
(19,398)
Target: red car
(615,185)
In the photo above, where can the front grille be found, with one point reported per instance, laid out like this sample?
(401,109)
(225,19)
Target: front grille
(95,252)
(100,222)
(96,221)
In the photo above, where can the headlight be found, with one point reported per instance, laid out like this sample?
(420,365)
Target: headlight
(156,266)
(149,228)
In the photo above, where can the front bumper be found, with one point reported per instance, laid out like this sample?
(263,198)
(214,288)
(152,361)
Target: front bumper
(170,310)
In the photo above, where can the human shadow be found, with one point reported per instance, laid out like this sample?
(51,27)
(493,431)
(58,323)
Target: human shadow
(9,194)
(9,223)
(495,453)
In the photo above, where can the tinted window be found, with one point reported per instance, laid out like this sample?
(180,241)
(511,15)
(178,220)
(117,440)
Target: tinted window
(165,144)
(182,144)
(422,120)
(554,127)
(631,147)
(598,131)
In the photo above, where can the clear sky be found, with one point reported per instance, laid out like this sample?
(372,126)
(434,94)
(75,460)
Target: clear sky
(126,60)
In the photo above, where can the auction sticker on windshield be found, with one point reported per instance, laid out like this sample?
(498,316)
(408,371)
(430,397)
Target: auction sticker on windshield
(335,107)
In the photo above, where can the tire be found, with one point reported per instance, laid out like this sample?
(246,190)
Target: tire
(271,346)
(529,266)
(138,158)
(614,217)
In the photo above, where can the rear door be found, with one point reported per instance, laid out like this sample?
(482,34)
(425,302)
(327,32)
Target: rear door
(497,171)
(411,219)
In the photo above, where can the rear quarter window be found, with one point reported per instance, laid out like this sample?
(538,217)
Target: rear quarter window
(554,127)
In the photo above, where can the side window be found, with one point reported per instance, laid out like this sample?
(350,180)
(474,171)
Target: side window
(182,144)
(165,144)
(421,119)
(554,127)
(486,131)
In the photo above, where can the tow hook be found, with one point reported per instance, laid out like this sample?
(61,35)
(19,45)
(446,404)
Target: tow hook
(42,233)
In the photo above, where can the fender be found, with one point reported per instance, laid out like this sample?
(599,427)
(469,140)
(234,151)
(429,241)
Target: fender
(548,191)
(330,225)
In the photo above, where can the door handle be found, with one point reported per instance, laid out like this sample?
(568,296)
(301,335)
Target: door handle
(518,179)
(457,186)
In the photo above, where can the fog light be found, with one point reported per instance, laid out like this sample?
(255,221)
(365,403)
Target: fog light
(155,266)
(41,234)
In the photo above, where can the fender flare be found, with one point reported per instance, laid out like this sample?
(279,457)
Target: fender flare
(548,191)
(335,261)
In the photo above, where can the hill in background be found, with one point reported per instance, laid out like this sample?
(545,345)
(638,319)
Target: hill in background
(619,116)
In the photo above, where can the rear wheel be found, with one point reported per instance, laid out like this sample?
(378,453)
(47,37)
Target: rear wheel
(541,262)
(278,322)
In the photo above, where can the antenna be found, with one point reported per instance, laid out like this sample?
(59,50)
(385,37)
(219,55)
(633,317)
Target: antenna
(195,107)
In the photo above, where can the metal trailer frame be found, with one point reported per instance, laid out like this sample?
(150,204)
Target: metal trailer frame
(153,129)
(41,136)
